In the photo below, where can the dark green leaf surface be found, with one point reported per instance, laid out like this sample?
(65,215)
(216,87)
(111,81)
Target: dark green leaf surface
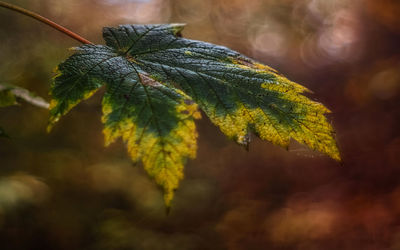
(143,66)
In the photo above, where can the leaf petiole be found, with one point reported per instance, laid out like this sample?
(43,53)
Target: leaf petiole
(45,21)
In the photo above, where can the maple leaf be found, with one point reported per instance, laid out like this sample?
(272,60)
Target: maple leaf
(153,79)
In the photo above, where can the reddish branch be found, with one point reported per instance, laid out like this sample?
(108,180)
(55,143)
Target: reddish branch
(46,21)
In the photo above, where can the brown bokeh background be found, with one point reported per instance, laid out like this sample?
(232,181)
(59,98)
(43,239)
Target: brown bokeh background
(64,190)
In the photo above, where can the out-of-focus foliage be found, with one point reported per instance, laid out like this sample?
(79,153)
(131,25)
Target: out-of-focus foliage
(346,51)
(3,133)
(7,98)
(142,64)
(20,189)
(10,93)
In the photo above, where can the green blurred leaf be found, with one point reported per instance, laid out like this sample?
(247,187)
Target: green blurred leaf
(9,94)
(3,133)
(7,98)
(144,66)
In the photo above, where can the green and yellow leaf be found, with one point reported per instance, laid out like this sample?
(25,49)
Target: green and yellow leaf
(153,76)
(157,125)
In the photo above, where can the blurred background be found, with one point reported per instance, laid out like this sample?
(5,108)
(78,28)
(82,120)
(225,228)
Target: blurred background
(64,190)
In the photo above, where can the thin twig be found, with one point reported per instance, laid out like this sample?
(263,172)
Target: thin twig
(46,21)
